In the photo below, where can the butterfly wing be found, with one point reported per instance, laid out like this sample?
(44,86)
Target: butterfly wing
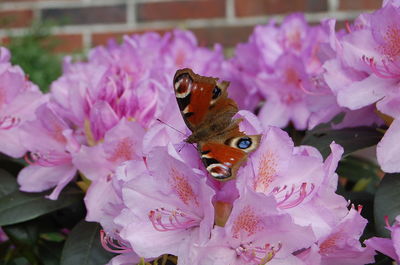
(222,160)
(208,113)
(200,98)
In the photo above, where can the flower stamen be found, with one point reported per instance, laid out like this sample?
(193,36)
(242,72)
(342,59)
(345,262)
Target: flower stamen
(301,194)
(112,245)
(383,71)
(166,220)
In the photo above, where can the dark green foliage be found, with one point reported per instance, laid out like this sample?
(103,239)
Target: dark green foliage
(387,202)
(34,52)
(83,246)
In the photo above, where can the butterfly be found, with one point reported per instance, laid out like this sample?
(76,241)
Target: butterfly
(208,113)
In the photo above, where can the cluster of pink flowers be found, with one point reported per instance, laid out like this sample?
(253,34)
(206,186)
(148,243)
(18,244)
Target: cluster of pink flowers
(114,120)
(93,101)
(366,72)
(165,203)
(282,67)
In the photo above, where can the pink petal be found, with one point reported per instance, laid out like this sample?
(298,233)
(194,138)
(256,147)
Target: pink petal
(388,149)
(37,178)
(10,143)
(274,114)
(383,245)
(365,92)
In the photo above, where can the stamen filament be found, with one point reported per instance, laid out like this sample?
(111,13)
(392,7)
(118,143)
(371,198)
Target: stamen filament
(176,220)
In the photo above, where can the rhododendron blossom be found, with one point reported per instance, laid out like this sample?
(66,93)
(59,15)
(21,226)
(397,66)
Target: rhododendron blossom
(170,207)
(366,72)
(283,66)
(18,100)
(166,206)
(111,126)
(51,143)
(89,100)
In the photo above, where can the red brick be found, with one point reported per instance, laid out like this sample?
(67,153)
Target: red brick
(225,35)
(67,43)
(16,18)
(268,7)
(13,1)
(103,38)
(359,4)
(86,15)
(175,10)
(5,41)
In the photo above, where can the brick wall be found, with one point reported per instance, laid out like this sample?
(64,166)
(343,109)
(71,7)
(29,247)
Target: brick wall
(84,23)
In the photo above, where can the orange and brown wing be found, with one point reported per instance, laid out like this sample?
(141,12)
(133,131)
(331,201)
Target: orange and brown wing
(196,95)
(223,160)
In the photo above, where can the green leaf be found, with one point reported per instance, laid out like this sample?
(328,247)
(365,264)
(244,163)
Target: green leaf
(364,174)
(8,183)
(53,237)
(83,246)
(50,253)
(23,233)
(19,206)
(387,202)
(351,139)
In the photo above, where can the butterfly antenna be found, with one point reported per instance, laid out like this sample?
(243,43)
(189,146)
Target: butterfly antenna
(171,127)
(183,146)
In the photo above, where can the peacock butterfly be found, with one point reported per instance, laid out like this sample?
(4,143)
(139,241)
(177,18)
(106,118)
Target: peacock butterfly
(208,113)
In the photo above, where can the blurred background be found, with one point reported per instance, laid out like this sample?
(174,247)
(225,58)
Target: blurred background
(38,32)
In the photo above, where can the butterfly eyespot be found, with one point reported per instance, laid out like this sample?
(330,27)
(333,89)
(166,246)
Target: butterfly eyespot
(183,85)
(219,171)
(244,143)
(216,92)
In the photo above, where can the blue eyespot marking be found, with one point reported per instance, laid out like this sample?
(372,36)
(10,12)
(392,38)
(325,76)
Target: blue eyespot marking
(244,143)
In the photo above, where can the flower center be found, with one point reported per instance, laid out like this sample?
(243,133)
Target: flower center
(266,172)
(292,77)
(182,188)
(246,221)
(329,244)
(391,47)
(123,151)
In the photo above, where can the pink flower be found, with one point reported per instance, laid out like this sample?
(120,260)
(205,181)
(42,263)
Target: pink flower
(126,84)
(18,100)
(388,246)
(256,233)
(304,186)
(131,80)
(283,67)
(274,170)
(99,164)
(341,244)
(166,206)
(51,143)
(366,72)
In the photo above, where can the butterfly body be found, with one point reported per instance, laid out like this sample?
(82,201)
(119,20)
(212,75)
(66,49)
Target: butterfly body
(208,113)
